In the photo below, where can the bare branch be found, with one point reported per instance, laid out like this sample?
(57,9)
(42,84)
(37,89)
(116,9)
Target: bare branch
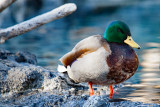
(35,22)
(5,3)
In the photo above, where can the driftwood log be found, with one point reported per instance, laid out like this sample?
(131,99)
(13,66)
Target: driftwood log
(5,3)
(37,21)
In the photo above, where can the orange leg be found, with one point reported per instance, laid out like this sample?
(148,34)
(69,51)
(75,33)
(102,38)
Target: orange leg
(90,88)
(111,91)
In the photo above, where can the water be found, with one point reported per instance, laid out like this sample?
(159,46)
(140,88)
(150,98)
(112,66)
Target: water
(53,40)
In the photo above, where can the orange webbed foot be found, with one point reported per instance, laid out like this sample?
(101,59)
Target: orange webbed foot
(111,91)
(90,88)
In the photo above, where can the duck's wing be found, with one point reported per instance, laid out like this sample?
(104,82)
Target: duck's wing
(84,47)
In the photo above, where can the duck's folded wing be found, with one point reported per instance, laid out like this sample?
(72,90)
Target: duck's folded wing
(84,47)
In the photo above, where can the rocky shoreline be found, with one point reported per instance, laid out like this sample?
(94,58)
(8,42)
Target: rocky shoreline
(23,83)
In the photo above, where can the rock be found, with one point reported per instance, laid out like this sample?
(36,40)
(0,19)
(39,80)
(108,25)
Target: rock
(24,84)
(103,101)
(24,57)
(18,74)
(96,101)
(25,76)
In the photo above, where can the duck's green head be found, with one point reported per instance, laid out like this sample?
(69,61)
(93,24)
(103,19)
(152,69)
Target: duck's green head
(119,32)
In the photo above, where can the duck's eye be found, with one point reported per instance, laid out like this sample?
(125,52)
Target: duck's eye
(120,30)
(129,39)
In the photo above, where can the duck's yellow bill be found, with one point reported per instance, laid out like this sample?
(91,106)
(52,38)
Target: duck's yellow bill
(131,42)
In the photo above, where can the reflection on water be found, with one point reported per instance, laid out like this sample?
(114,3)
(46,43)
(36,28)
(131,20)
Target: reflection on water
(151,57)
(148,88)
(49,43)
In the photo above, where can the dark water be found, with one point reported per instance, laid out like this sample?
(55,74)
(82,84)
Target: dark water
(53,40)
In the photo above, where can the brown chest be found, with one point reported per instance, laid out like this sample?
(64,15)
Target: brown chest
(122,62)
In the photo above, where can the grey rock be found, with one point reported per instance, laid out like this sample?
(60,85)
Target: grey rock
(96,101)
(18,73)
(3,67)
(26,77)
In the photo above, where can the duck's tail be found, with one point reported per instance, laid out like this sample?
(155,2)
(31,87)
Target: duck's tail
(61,68)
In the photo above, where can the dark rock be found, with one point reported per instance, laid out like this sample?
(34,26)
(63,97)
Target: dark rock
(4,54)
(26,57)
(19,57)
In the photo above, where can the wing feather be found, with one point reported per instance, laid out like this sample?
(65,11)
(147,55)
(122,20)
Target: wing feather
(84,47)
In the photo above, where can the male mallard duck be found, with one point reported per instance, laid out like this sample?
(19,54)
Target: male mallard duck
(104,60)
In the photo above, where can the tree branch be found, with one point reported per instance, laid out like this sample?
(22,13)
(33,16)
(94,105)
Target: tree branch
(35,22)
(5,3)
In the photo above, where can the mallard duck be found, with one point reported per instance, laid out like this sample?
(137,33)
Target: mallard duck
(103,60)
